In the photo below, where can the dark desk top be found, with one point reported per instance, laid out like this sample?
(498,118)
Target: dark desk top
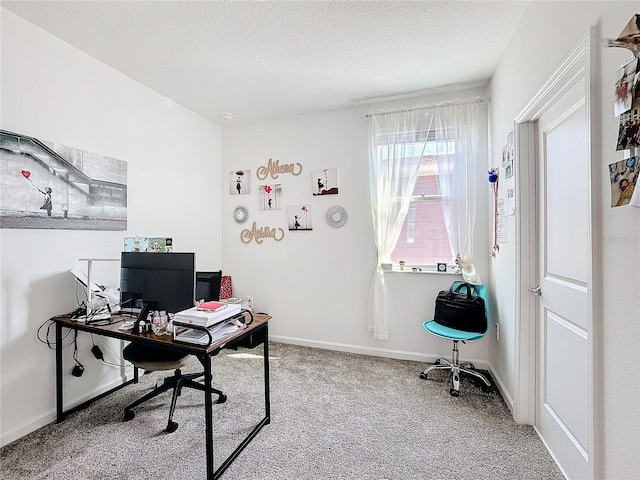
(150,338)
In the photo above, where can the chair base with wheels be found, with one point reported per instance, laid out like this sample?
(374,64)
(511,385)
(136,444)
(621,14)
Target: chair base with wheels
(454,365)
(457,336)
(143,357)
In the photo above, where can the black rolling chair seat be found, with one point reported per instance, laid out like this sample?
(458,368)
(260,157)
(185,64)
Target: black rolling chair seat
(155,359)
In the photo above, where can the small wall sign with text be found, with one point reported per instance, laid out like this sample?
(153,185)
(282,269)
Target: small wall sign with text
(274,169)
(259,234)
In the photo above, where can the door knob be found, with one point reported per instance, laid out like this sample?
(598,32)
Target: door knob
(536,291)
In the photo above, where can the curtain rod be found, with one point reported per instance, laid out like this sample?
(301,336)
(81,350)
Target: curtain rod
(478,100)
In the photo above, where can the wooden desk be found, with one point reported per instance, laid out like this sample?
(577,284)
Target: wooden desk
(257,333)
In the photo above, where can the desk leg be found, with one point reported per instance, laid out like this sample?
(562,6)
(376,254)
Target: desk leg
(267,401)
(59,408)
(208,416)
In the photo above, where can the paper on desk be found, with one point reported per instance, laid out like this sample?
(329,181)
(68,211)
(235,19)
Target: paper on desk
(218,332)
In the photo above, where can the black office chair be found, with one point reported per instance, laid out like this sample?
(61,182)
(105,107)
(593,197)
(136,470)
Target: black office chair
(154,359)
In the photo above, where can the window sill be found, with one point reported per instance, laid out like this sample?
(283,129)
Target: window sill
(432,269)
(431,272)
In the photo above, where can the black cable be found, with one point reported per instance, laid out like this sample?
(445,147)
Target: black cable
(75,348)
(122,360)
(45,340)
(78,370)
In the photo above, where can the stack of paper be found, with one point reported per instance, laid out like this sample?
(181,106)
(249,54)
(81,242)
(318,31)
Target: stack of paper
(194,316)
(218,332)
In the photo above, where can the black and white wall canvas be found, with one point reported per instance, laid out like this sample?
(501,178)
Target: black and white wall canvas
(325,181)
(299,217)
(48,185)
(240,182)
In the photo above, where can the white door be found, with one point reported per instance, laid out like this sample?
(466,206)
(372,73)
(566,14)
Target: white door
(562,370)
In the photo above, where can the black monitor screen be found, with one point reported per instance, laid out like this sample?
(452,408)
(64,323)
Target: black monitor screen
(161,281)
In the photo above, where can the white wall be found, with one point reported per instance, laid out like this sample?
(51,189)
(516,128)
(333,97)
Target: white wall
(54,92)
(545,36)
(316,284)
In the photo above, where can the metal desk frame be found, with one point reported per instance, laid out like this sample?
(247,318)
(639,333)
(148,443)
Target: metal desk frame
(259,329)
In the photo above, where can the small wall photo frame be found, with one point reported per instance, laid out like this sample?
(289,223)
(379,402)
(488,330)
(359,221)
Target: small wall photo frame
(240,182)
(299,217)
(324,182)
(270,197)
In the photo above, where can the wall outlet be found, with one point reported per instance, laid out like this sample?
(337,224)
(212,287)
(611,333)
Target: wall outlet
(497,331)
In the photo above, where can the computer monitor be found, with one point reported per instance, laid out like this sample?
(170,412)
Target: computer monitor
(156,281)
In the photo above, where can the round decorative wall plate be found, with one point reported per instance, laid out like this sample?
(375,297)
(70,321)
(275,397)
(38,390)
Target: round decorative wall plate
(240,214)
(336,216)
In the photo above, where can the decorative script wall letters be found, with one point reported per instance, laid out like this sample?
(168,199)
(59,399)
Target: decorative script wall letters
(259,234)
(274,169)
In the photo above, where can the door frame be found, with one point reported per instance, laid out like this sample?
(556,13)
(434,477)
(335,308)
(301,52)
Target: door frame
(582,61)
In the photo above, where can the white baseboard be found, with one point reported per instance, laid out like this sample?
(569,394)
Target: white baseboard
(25,429)
(499,384)
(50,416)
(374,351)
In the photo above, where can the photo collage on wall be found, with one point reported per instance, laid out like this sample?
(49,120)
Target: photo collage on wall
(623,174)
(324,182)
(627,105)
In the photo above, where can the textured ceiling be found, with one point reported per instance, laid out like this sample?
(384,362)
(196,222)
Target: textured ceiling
(266,59)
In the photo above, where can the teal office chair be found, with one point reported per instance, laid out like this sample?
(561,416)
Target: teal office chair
(458,336)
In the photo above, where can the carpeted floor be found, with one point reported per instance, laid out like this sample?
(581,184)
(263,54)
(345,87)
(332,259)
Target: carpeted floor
(333,416)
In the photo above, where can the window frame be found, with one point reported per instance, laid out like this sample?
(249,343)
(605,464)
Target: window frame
(419,198)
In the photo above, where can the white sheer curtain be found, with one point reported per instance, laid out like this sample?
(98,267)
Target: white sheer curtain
(456,126)
(397,142)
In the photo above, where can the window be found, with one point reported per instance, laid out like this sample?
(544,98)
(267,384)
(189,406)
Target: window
(423,239)
(422,170)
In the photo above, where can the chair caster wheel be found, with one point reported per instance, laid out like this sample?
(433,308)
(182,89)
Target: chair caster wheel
(471,366)
(423,376)
(454,393)
(437,362)
(486,389)
(129,415)
(222,398)
(171,427)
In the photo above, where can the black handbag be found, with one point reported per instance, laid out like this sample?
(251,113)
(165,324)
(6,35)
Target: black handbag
(462,311)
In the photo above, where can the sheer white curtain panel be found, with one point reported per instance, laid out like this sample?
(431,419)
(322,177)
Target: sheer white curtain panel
(397,142)
(456,129)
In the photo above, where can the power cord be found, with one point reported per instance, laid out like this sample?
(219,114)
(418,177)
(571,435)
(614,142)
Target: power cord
(78,370)
(50,344)
(97,352)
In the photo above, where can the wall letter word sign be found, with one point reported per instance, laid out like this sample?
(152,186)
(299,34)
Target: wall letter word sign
(259,234)
(275,169)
